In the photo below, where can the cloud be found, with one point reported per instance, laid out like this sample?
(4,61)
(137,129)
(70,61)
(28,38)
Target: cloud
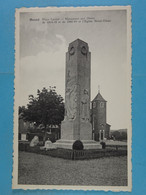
(43,70)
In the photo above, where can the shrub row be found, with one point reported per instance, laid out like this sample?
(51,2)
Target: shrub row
(74,154)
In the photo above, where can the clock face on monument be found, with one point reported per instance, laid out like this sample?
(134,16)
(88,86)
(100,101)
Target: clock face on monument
(72,50)
(84,50)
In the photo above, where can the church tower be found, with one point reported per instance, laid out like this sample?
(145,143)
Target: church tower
(99,125)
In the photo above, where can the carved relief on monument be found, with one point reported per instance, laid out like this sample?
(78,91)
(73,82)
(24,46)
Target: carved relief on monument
(71,97)
(71,102)
(85,106)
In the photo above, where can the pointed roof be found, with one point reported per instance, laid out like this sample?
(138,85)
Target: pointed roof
(78,41)
(99,98)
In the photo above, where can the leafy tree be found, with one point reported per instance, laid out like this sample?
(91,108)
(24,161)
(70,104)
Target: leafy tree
(47,108)
(21,109)
(119,135)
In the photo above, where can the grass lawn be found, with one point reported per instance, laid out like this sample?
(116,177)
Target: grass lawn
(45,170)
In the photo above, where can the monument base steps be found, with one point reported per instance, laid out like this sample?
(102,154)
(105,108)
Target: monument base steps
(68,144)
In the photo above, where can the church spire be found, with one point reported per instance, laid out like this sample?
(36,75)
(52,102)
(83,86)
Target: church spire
(98,88)
(98,96)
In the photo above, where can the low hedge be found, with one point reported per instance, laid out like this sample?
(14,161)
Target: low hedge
(73,154)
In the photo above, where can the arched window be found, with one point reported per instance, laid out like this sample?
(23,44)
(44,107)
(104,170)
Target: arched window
(94,104)
(101,104)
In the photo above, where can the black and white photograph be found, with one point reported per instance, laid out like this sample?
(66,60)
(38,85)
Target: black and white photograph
(72,103)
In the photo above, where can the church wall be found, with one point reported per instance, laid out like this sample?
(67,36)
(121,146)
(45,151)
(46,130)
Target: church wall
(99,118)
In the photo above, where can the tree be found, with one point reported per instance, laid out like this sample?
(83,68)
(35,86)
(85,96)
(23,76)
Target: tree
(21,110)
(47,108)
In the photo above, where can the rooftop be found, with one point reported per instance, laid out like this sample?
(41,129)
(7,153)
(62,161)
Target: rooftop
(99,98)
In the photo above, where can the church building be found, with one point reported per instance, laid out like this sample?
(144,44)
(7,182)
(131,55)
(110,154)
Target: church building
(100,127)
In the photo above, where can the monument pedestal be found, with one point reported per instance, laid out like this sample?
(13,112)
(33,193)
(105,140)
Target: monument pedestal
(68,144)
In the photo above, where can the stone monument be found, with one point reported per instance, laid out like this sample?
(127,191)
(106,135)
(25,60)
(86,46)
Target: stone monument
(34,142)
(76,124)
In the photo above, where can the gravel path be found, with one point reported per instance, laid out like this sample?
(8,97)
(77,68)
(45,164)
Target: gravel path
(45,170)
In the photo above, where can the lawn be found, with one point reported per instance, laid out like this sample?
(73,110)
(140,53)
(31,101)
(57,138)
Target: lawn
(45,170)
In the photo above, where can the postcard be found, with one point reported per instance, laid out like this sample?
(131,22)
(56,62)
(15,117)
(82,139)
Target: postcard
(72,104)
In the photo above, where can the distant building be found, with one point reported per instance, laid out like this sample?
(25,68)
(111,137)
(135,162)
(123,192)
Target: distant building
(28,130)
(23,130)
(101,129)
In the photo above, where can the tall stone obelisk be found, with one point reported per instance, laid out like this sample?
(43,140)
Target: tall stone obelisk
(76,124)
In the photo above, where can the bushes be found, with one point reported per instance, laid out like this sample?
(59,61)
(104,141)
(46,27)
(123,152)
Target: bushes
(23,146)
(78,145)
(51,138)
(74,154)
(103,145)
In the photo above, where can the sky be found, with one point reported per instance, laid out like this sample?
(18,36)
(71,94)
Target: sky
(43,47)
